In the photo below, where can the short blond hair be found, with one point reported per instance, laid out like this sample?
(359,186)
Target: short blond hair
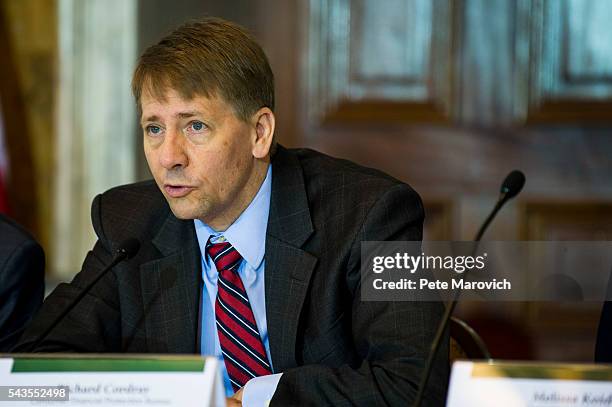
(208,57)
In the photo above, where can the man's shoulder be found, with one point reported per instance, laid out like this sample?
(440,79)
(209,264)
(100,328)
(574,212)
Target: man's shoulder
(12,234)
(131,210)
(134,192)
(345,191)
(322,171)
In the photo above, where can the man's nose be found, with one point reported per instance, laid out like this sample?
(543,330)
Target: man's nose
(173,153)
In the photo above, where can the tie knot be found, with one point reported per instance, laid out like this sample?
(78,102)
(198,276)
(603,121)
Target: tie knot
(223,255)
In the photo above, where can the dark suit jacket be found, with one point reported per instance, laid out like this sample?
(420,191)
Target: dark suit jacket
(603,345)
(22,281)
(333,348)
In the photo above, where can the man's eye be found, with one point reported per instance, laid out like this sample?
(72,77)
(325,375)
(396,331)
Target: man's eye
(196,126)
(153,130)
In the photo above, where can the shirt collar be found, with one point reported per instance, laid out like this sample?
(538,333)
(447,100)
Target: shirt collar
(248,233)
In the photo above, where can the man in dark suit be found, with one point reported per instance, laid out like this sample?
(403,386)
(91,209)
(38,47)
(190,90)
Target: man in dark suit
(249,251)
(22,281)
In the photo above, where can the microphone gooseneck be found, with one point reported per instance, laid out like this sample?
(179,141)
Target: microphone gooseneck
(127,249)
(512,185)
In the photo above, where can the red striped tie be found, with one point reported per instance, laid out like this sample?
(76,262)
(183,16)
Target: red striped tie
(243,350)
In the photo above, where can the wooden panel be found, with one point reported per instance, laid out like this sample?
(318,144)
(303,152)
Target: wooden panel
(438,220)
(389,52)
(571,65)
(589,49)
(373,61)
(486,63)
(567,221)
(462,163)
(571,326)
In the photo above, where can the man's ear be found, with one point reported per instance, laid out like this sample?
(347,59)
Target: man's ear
(264,122)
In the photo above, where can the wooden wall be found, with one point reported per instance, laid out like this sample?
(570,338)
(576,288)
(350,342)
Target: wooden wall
(450,96)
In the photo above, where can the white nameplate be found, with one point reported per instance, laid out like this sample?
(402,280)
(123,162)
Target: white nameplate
(110,380)
(529,385)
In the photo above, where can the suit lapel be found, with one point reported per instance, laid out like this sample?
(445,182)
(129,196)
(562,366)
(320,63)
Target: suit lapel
(171,284)
(288,268)
(170,289)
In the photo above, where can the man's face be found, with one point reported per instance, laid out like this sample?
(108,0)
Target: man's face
(201,157)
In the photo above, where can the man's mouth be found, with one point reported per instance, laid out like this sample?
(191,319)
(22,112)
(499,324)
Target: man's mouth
(177,191)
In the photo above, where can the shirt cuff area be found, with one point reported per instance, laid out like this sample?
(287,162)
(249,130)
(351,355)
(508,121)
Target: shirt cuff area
(259,391)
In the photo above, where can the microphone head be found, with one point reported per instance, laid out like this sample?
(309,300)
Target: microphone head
(128,248)
(512,185)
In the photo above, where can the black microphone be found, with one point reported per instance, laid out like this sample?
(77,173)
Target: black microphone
(512,185)
(127,249)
